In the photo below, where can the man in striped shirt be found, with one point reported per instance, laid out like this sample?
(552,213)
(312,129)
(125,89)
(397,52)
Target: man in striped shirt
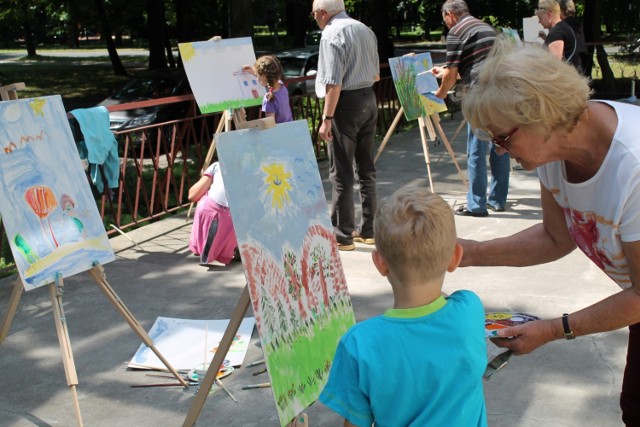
(468,44)
(348,65)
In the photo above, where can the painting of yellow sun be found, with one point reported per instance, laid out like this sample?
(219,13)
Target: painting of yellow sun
(277,185)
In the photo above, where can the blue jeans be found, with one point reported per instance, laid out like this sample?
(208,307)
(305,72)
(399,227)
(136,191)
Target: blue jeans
(477,173)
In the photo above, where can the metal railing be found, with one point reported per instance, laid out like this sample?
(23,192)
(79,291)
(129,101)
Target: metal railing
(160,162)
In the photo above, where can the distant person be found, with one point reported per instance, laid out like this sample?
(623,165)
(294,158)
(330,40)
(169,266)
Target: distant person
(213,237)
(275,103)
(348,65)
(421,362)
(468,43)
(568,15)
(561,40)
(587,155)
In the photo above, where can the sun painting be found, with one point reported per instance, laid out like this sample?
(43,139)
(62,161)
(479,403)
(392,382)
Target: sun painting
(277,185)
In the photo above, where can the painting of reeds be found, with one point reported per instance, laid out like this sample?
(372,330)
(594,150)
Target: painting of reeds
(415,85)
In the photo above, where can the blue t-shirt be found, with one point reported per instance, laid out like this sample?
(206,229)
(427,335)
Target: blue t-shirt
(414,367)
(279,105)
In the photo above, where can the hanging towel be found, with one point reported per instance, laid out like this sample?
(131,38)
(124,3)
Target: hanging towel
(100,146)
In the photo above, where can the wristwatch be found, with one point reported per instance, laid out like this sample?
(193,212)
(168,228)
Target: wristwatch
(325,117)
(568,333)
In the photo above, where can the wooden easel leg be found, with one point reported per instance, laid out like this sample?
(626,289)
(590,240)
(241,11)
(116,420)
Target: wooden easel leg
(55,290)
(387,136)
(425,149)
(18,288)
(218,358)
(460,126)
(98,275)
(443,136)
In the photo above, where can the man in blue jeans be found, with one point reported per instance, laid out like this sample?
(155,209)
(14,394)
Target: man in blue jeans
(468,43)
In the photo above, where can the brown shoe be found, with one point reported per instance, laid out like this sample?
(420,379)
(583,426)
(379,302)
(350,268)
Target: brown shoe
(346,246)
(366,240)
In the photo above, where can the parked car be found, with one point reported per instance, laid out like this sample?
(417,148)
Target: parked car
(313,38)
(300,62)
(149,85)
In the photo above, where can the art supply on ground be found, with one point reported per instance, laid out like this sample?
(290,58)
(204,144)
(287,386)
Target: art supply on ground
(157,385)
(222,386)
(257,362)
(261,371)
(261,385)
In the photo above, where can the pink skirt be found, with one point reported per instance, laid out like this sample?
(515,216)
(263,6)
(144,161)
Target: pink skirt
(212,233)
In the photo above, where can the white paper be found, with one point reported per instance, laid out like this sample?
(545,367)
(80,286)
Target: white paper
(186,343)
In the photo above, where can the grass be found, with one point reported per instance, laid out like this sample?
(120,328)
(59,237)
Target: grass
(82,82)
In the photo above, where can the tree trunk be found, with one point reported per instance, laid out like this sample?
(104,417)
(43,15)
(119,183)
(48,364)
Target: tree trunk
(29,39)
(380,25)
(296,18)
(592,22)
(156,29)
(116,63)
(241,15)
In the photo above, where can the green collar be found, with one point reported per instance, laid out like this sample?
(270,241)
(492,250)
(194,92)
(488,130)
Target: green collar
(412,313)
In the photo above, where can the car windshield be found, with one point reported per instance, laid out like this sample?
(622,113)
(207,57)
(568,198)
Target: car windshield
(147,88)
(292,67)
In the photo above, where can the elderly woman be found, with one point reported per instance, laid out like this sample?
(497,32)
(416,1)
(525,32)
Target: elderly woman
(587,154)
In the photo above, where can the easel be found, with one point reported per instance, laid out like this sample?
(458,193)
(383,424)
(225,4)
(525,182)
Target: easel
(9,92)
(428,125)
(56,290)
(236,318)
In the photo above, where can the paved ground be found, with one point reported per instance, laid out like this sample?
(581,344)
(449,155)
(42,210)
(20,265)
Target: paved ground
(563,384)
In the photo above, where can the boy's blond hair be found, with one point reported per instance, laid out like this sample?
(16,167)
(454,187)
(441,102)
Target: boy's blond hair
(415,233)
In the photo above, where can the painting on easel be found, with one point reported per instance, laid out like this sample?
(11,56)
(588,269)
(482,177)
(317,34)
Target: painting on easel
(290,256)
(214,70)
(50,216)
(415,85)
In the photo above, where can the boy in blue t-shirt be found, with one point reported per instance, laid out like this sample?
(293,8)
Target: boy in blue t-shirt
(421,362)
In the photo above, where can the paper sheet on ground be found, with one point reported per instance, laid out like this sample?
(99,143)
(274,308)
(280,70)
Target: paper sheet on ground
(182,342)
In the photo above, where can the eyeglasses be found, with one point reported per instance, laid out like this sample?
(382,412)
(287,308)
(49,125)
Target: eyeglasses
(314,12)
(501,141)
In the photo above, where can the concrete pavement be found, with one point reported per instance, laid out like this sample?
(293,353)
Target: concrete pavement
(566,383)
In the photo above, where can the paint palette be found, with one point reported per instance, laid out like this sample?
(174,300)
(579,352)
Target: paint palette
(500,320)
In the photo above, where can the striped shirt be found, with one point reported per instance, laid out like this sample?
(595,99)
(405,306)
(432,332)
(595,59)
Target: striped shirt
(348,55)
(468,44)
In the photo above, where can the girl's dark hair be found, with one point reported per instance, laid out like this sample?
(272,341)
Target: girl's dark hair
(269,67)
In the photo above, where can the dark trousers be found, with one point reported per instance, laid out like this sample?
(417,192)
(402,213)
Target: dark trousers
(630,396)
(354,131)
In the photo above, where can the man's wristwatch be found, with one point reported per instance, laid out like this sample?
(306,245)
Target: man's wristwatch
(325,117)
(568,333)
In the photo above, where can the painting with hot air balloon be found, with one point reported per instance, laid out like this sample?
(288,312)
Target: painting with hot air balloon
(50,217)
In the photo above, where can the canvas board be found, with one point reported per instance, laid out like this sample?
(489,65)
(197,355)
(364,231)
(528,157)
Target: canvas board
(49,213)
(415,85)
(186,343)
(530,29)
(214,70)
(290,257)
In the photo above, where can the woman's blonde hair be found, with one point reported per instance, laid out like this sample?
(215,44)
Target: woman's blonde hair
(551,5)
(525,87)
(269,66)
(415,233)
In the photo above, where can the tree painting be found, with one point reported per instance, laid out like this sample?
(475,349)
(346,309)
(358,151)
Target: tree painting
(42,202)
(290,257)
(46,204)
